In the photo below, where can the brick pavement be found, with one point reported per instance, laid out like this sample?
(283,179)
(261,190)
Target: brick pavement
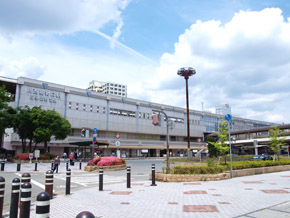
(266,195)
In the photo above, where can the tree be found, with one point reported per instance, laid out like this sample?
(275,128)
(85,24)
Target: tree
(49,123)
(24,127)
(276,140)
(221,145)
(38,125)
(6,112)
(212,150)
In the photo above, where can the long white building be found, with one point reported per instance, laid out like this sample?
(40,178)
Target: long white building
(112,115)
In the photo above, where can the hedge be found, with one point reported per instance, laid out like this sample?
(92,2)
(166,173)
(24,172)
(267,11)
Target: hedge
(197,170)
(237,165)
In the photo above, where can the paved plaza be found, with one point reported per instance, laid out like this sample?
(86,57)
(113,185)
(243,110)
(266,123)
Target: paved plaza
(266,195)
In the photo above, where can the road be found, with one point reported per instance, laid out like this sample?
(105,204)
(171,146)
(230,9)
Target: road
(140,170)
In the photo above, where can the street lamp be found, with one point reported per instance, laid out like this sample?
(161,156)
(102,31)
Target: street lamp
(167,138)
(186,72)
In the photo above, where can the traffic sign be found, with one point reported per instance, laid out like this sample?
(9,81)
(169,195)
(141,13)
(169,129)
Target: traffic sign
(117,143)
(95,130)
(228,117)
(37,153)
(94,139)
(117,135)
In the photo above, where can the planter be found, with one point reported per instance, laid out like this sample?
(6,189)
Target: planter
(215,177)
(189,177)
(105,168)
(261,170)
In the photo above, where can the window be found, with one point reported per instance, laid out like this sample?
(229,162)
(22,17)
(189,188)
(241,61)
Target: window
(172,138)
(91,108)
(84,107)
(162,138)
(69,105)
(77,106)
(125,113)
(104,110)
(97,109)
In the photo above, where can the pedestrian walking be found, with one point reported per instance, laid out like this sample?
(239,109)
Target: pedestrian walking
(56,163)
(71,158)
(64,156)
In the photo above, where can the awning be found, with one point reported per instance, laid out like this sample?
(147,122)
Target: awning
(88,143)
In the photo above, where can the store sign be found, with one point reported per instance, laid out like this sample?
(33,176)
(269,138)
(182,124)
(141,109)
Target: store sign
(43,96)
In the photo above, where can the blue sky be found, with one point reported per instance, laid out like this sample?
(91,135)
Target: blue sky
(239,48)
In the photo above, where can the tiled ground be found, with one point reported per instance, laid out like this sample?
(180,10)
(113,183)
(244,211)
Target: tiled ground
(266,195)
(238,197)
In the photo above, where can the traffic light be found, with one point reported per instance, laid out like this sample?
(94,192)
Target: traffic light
(83,133)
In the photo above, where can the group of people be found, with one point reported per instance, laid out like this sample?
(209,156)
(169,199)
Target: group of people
(56,162)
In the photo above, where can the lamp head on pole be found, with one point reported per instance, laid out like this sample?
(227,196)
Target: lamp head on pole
(186,72)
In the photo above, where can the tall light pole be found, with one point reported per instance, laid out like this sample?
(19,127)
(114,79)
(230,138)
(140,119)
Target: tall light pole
(186,72)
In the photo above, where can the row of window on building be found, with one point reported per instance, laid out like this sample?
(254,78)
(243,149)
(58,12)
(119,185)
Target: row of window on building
(126,113)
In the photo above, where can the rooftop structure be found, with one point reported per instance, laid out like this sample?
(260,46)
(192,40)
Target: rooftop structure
(223,109)
(108,88)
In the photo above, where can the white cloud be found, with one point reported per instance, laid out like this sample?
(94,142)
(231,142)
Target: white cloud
(244,62)
(64,17)
(29,67)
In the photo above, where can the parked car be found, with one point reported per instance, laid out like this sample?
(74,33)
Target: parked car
(262,157)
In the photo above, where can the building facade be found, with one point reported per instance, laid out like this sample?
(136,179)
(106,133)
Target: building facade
(112,115)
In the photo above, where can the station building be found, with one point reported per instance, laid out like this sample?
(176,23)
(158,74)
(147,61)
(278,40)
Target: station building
(114,115)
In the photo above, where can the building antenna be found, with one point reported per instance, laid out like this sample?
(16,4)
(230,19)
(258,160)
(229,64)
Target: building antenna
(202,106)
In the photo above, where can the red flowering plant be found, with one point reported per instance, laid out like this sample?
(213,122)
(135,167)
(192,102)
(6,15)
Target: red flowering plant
(25,156)
(96,160)
(107,161)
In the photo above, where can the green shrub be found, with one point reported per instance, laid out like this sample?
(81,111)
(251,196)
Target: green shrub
(237,165)
(123,161)
(210,162)
(197,170)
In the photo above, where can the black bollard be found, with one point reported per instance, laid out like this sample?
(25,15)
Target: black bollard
(128,177)
(66,165)
(25,178)
(80,164)
(85,214)
(49,183)
(67,186)
(2,189)
(101,179)
(2,165)
(14,198)
(51,164)
(25,199)
(35,166)
(153,175)
(42,205)
(18,165)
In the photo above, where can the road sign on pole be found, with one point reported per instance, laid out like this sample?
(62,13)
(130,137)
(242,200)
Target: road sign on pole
(95,139)
(228,117)
(117,143)
(95,130)
(117,135)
